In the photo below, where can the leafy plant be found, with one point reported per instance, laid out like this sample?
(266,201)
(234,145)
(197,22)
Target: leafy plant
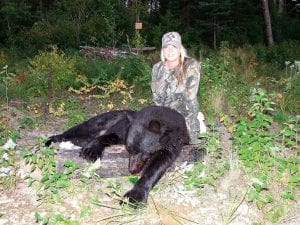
(74,117)
(27,121)
(52,181)
(113,91)
(216,164)
(263,154)
(7,168)
(54,220)
(6,78)
(50,73)
(222,89)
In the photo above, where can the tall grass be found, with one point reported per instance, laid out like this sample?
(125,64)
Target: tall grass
(229,74)
(226,79)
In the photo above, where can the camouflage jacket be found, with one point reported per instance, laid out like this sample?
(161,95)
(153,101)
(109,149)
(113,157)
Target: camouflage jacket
(180,96)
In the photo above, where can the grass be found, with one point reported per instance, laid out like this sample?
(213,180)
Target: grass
(264,154)
(51,182)
(256,101)
(232,211)
(55,187)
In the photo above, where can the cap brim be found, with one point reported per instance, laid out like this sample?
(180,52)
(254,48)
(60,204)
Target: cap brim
(175,44)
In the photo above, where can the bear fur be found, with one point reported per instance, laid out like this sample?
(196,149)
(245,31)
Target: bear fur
(98,132)
(153,137)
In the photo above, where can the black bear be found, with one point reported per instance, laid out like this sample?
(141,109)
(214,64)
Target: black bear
(153,136)
(97,133)
(155,139)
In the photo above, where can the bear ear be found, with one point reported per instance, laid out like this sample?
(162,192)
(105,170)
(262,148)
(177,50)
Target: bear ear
(154,126)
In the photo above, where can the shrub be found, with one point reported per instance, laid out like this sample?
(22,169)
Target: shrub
(132,69)
(279,53)
(222,90)
(50,73)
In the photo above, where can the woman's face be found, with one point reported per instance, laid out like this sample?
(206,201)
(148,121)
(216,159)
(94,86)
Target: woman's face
(171,53)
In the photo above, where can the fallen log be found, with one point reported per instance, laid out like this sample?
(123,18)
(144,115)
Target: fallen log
(111,53)
(115,159)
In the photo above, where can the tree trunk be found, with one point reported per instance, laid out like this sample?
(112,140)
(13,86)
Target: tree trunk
(215,34)
(268,24)
(280,6)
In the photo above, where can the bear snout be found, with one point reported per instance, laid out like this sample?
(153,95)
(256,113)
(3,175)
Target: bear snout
(136,163)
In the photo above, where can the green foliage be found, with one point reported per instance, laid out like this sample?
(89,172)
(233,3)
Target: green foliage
(215,166)
(278,54)
(75,117)
(39,36)
(52,181)
(29,26)
(85,211)
(222,90)
(115,81)
(54,220)
(6,78)
(227,78)
(50,74)
(133,179)
(7,168)
(134,70)
(13,23)
(27,122)
(263,154)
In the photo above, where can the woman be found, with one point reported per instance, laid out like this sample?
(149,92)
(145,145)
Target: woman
(175,82)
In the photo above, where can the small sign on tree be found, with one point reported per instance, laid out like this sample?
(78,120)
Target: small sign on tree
(138,25)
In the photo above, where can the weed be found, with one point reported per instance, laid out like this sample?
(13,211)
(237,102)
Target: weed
(4,132)
(7,169)
(85,211)
(52,181)
(132,179)
(113,91)
(50,74)
(55,219)
(223,91)
(264,156)
(215,166)
(231,214)
(27,121)
(6,78)
(74,117)
(57,111)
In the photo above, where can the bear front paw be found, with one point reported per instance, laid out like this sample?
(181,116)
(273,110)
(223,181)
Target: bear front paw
(88,154)
(136,196)
(92,151)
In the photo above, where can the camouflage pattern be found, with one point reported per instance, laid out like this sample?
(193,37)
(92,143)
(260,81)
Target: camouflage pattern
(180,96)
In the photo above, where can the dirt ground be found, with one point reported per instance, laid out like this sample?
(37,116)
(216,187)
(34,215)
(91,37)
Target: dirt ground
(170,203)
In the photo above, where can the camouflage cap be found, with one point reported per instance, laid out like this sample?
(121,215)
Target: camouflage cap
(171,38)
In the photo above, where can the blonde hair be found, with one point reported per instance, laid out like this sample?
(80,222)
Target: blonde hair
(180,73)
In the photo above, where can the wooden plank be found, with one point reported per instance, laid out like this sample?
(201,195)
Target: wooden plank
(115,159)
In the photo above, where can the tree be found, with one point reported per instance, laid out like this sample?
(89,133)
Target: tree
(215,18)
(12,14)
(268,24)
(79,11)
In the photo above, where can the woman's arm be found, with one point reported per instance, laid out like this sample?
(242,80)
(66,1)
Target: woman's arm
(157,84)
